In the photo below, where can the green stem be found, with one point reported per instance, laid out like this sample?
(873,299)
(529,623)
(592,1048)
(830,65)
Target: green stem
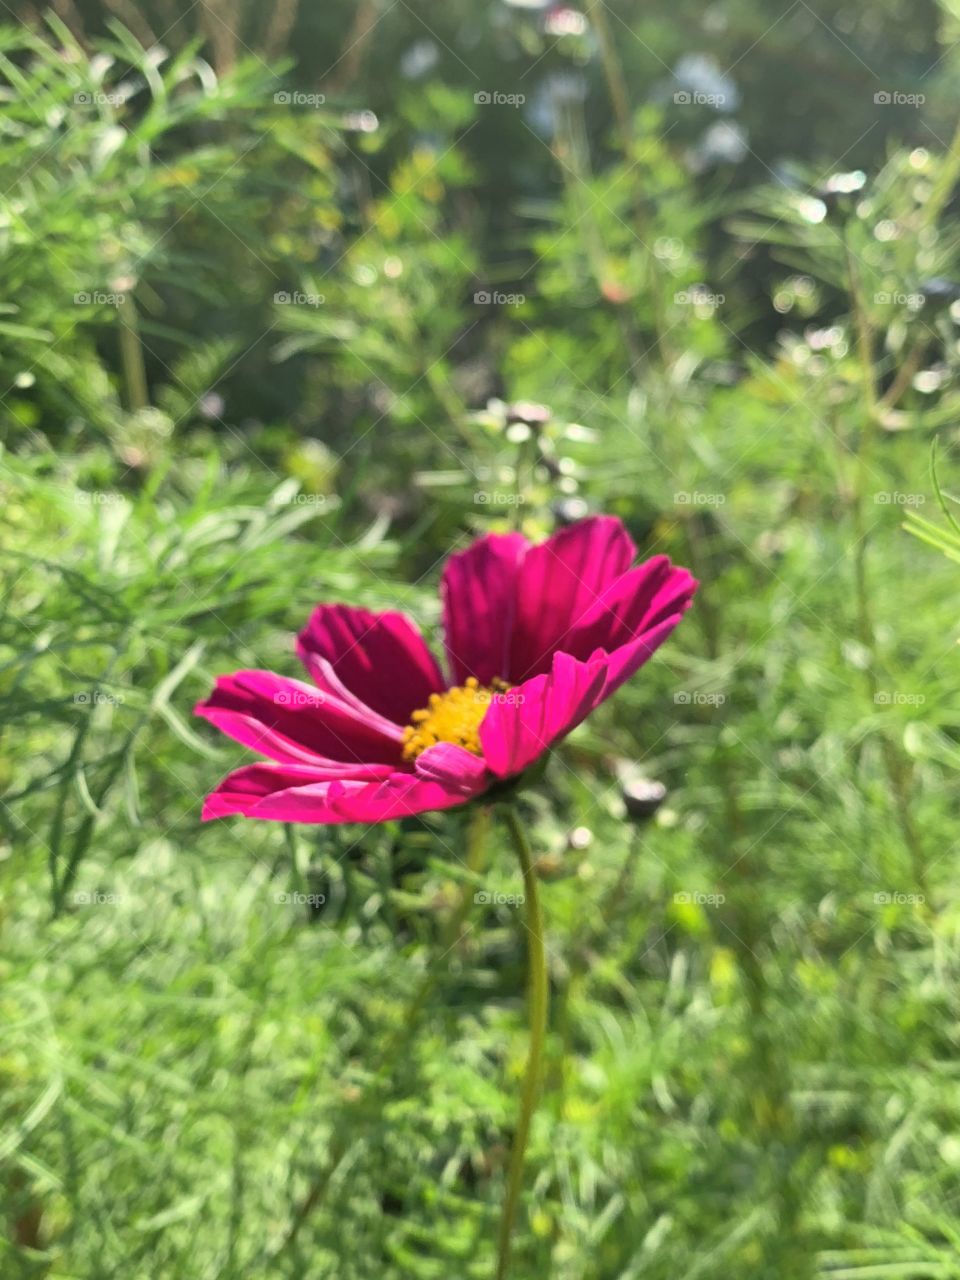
(861,322)
(539,1004)
(613,74)
(896,766)
(131,355)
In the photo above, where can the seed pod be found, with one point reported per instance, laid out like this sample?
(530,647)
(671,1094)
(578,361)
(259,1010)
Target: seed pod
(642,798)
(527,411)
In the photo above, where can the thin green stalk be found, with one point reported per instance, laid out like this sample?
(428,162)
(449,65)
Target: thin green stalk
(539,1005)
(131,355)
(616,83)
(861,323)
(904,376)
(895,765)
(612,73)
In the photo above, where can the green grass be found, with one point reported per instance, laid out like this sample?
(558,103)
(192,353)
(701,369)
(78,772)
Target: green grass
(242,1050)
(766,1084)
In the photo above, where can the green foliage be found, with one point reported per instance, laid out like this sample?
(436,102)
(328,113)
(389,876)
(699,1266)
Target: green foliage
(243,1050)
(127,206)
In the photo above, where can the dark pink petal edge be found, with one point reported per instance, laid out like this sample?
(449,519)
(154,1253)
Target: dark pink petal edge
(381,658)
(560,581)
(296,723)
(537,713)
(479,592)
(272,792)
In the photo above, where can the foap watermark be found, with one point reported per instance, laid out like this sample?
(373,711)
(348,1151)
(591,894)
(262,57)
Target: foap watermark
(319,500)
(699,296)
(896,898)
(94,898)
(298,698)
(913,301)
(695,898)
(98,299)
(895,98)
(694,98)
(494,298)
(298,899)
(893,498)
(494,98)
(298,299)
(94,98)
(295,98)
(897,698)
(97,498)
(494,498)
(688,498)
(691,698)
(97,698)
(492,898)
(503,697)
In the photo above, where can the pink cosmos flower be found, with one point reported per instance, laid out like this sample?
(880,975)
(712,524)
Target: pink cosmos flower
(536,637)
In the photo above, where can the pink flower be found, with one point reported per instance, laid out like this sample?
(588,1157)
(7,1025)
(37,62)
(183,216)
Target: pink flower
(536,637)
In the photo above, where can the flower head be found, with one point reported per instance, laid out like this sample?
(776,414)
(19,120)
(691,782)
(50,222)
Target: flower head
(536,638)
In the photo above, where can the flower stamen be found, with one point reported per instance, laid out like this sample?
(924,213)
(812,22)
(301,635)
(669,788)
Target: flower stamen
(452,716)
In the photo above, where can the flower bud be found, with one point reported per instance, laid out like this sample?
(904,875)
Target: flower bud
(642,798)
(527,411)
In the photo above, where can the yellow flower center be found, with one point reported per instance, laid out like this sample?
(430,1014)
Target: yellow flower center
(453,716)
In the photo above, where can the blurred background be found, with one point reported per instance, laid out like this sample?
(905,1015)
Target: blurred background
(296,300)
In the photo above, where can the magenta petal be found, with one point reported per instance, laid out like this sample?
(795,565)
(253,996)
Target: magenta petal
(380,657)
(242,790)
(296,723)
(567,622)
(399,795)
(637,602)
(629,658)
(479,599)
(455,768)
(534,715)
(327,681)
(559,582)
